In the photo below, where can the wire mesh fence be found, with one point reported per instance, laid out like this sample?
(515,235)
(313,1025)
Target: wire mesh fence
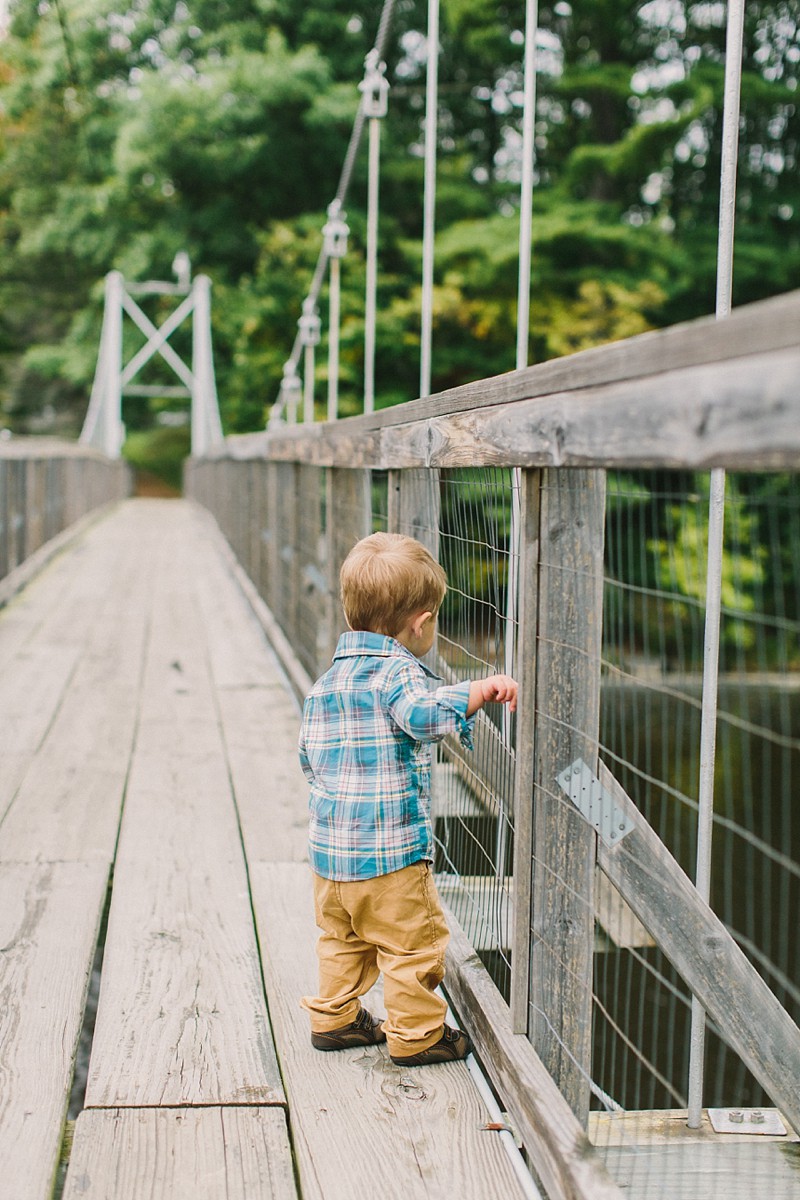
(650,693)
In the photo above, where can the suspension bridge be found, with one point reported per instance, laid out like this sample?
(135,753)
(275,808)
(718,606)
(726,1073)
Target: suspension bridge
(620,862)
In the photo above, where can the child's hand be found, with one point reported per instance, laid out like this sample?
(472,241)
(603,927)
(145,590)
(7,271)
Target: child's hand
(499,688)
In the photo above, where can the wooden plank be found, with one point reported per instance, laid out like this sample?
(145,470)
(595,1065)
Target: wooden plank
(486,907)
(181,1154)
(261,730)
(766,326)
(348,519)
(49,918)
(690,353)
(741,414)
(747,1014)
(355,1115)
(17,579)
(31,688)
(297,676)
(567,691)
(560,1152)
(735,1171)
(415,505)
(69,805)
(69,698)
(310,641)
(524,775)
(181,1017)
(260,721)
(664,1127)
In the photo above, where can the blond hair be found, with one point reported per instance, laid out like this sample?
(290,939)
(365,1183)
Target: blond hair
(387,578)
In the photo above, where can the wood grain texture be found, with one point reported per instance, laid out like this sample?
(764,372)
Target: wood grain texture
(181,1154)
(748,1016)
(668,1126)
(360,1125)
(49,918)
(741,414)
(524,774)
(349,518)
(31,687)
(720,392)
(259,721)
(182,1018)
(737,1172)
(567,691)
(553,1137)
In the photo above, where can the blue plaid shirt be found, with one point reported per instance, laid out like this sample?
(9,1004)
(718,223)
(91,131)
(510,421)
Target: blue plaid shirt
(363,748)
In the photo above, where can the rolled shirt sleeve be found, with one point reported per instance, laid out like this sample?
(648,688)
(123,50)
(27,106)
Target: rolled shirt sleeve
(427,716)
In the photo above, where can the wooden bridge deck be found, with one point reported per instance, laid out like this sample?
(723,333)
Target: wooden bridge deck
(148,760)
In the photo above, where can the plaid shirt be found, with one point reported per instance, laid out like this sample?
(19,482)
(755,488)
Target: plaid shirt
(363,749)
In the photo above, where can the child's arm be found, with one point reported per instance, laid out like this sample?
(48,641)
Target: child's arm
(500,688)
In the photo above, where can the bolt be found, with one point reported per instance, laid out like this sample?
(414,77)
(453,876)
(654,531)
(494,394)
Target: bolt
(757,1116)
(736,1117)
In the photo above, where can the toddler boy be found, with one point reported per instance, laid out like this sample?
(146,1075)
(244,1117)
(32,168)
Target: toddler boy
(367,725)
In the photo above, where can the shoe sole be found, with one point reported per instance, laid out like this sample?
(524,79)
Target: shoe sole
(431,1057)
(346,1044)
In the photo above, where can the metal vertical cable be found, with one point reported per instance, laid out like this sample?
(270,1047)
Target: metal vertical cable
(381,39)
(708,728)
(526,185)
(334,234)
(429,202)
(375,89)
(523,322)
(334,318)
(309,325)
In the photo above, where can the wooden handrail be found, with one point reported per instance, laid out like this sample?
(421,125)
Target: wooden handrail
(701,394)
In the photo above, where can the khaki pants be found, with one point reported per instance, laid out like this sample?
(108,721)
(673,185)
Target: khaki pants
(394,924)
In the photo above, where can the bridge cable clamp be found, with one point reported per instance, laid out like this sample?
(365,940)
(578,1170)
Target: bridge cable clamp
(594,802)
(374,87)
(310,324)
(335,231)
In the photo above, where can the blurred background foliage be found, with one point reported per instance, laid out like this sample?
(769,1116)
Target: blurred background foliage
(218,127)
(130,133)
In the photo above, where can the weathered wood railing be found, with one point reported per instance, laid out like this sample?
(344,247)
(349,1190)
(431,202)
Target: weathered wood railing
(293,500)
(46,486)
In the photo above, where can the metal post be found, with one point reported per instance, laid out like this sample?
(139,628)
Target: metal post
(429,202)
(708,731)
(113,431)
(374,89)
(526,185)
(205,423)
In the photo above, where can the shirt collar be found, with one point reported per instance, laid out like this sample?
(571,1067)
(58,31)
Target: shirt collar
(356,643)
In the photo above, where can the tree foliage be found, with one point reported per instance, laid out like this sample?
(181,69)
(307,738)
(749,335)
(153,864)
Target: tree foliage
(127,134)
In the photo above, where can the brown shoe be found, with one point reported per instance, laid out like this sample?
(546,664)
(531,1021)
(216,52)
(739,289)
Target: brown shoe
(366,1030)
(453,1045)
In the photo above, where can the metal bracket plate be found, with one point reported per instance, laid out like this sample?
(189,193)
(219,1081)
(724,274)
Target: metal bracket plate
(595,803)
(746,1120)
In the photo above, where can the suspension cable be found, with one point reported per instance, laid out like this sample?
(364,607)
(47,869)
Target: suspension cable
(379,46)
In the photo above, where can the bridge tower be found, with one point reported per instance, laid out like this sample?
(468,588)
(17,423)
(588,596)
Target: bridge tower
(114,379)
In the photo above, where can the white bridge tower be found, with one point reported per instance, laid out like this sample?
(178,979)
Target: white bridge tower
(113,379)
